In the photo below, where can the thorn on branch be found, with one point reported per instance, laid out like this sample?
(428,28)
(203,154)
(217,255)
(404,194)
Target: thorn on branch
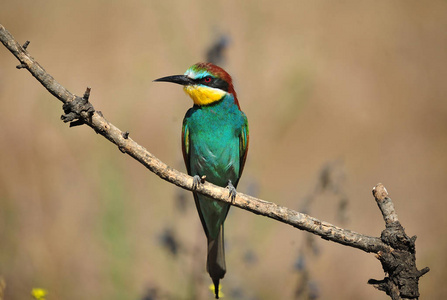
(75,123)
(22,65)
(423,271)
(386,286)
(87,93)
(75,108)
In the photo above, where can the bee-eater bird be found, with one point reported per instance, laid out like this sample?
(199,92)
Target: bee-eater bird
(215,145)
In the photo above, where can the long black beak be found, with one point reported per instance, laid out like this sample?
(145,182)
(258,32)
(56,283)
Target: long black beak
(179,79)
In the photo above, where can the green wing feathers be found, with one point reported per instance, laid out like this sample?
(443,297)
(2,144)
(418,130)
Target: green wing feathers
(243,145)
(185,145)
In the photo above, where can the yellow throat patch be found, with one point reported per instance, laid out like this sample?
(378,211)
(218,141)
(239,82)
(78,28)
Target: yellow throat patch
(204,95)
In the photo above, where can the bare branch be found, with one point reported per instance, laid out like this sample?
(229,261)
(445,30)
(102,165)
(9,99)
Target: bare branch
(399,264)
(79,111)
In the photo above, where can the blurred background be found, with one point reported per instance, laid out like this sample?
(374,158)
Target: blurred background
(339,96)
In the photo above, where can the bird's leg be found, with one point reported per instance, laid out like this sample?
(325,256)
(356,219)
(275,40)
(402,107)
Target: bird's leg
(231,191)
(196,180)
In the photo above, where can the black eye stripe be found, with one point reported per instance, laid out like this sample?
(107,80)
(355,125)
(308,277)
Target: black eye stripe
(214,83)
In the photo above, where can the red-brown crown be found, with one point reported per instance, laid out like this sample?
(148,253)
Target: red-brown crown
(201,70)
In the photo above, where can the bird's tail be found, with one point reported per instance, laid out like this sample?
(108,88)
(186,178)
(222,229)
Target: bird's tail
(215,264)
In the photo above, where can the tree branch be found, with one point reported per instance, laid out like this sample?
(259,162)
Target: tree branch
(79,111)
(400,263)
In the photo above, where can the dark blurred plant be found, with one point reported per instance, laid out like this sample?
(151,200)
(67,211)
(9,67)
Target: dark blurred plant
(168,241)
(330,180)
(215,53)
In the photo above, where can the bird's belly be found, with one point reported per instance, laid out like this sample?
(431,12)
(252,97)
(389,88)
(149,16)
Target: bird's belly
(218,164)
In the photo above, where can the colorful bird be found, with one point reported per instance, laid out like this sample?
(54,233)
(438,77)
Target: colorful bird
(215,145)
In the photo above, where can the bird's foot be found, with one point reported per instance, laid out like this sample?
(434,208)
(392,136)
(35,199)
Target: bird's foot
(196,180)
(231,191)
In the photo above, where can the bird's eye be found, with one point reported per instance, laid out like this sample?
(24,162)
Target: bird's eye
(207,79)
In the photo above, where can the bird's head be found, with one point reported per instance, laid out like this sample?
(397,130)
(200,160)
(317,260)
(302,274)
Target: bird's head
(205,83)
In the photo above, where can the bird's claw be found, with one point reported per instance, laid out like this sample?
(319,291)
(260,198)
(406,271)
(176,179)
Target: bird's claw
(231,191)
(196,180)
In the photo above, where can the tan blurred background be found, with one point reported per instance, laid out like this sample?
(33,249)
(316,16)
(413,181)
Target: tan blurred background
(359,85)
